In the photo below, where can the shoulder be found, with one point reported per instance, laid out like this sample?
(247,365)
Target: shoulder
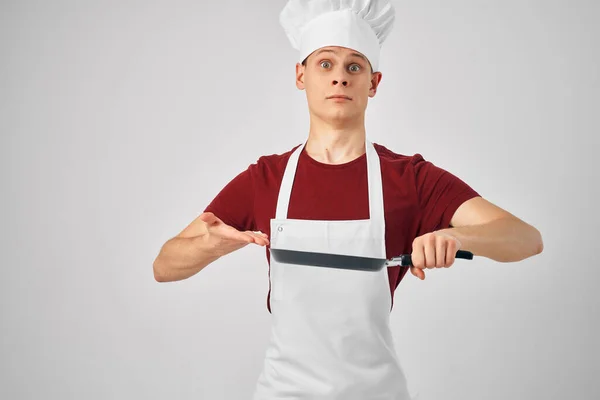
(275,160)
(271,165)
(397,161)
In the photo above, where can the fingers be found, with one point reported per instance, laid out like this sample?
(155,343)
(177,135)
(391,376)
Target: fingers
(418,260)
(450,253)
(440,251)
(432,251)
(241,236)
(232,233)
(418,254)
(258,237)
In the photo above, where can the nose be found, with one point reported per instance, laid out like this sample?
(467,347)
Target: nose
(341,78)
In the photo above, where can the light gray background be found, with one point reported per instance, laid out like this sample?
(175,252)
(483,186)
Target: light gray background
(120,121)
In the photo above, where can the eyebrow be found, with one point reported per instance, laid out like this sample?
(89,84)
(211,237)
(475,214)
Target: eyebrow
(336,52)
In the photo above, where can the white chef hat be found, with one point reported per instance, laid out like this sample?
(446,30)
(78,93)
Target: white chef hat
(361,25)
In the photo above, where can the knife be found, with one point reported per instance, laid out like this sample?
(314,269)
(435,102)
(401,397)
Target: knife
(347,262)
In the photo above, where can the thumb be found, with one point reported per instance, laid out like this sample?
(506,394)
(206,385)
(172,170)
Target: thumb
(418,272)
(209,218)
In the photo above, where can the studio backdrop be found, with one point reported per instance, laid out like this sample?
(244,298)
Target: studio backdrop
(121,121)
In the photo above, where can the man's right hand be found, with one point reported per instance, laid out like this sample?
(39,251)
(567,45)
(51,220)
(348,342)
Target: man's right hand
(203,241)
(223,239)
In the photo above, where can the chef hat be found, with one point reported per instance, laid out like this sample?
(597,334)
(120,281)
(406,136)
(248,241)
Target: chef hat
(361,25)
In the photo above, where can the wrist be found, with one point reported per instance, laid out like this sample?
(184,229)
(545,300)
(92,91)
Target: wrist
(204,244)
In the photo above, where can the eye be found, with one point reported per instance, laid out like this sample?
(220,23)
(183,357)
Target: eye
(356,68)
(325,64)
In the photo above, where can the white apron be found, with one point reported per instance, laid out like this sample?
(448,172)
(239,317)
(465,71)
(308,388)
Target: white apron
(330,337)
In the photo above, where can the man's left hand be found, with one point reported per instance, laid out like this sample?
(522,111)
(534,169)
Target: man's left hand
(433,250)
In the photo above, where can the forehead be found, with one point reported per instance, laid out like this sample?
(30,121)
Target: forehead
(339,51)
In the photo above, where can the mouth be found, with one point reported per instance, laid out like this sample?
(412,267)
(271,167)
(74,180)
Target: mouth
(339,96)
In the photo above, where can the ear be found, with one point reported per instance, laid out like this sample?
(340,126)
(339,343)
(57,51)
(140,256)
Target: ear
(300,76)
(375,81)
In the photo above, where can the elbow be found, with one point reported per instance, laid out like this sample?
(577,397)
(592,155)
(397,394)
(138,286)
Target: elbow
(159,275)
(540,247)
(539,243)
(530,244)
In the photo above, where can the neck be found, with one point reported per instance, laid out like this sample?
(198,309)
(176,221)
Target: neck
(335,143)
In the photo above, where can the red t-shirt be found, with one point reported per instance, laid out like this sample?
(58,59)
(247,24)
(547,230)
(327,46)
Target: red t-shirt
(418,197)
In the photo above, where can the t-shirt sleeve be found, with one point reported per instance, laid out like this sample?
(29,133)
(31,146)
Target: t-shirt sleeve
(440,194)
(234,204)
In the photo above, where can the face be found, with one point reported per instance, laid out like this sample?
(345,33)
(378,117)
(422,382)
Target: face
(337,71)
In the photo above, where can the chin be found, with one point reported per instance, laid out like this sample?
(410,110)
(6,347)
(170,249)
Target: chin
(337,115)
(342,115)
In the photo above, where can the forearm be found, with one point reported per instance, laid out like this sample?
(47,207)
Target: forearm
(503,240)
(180,258)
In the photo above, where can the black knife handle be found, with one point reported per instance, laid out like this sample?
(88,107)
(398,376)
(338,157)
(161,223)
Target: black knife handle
(407,259)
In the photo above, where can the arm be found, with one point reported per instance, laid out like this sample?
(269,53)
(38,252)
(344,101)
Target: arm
(456,217)
(487,230)
(203,241)
(208,238)
(181,258)
(184,255)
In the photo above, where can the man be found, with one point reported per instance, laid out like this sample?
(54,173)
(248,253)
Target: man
(339,193)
